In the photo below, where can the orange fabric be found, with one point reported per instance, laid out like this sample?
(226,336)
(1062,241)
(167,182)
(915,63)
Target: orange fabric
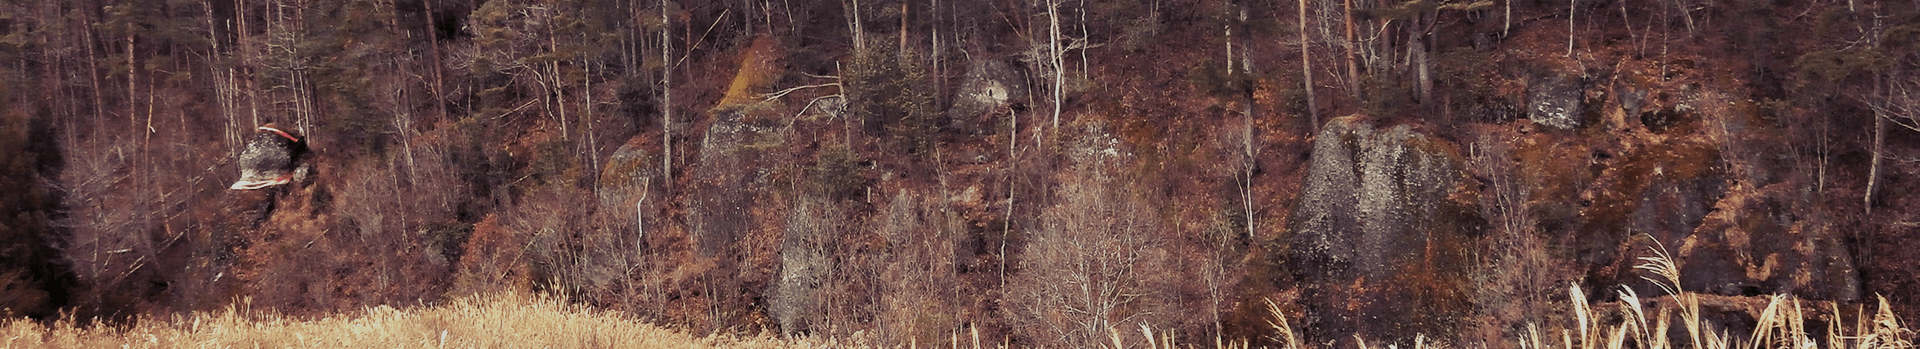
(281,133)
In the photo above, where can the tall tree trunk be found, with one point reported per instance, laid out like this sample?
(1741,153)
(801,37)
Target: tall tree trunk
(939,76)
(133,76)
(559,95)
(439,79)
(666,97)
(1053,45)
(1507,27)
(1879,137)
(593,145)
(1353,67)
(902,51)
(859,33)
(221,89)
(1306,67)
(1417,57)
(1571,6)
(93,74)
(1229,60)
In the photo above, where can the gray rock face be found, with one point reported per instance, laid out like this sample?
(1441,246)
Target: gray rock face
(1555,101)
(630,179)
(991,86)
(731,176)
(1376,227)
(806,264)
(269,160)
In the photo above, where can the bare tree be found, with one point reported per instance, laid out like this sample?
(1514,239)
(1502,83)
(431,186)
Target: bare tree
(1572,5)
(666,98)
(1056,58)
(1096,264)
(108,222)
(1894,102)
(1306,68)
(1518,266)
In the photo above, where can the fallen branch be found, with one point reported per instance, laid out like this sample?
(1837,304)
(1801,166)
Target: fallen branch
(783,93)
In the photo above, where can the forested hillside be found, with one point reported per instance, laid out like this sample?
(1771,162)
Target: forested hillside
(1039,172)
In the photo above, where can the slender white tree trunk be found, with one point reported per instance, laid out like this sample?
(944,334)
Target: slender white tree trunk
(1053,45)
(1507,27)
(1306,68)
(593,146)
(1873,167)
(1571,6)
(666,98)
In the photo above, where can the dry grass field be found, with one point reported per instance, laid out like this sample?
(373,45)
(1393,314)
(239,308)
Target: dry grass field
(521,321)
(498,321)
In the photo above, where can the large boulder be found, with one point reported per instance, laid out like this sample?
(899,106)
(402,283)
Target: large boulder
(732,178)
(1381,241)
(991,88)
(273,157)
(631,180)
(1555,100)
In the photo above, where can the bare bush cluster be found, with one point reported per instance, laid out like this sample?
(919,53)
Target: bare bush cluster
(373,237)
(897,279)
(1098,262)
(811,282)
(917,293)
(128,196)
(1520,278)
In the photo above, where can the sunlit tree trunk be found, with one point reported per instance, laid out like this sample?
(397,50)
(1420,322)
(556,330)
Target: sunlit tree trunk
(1053,46)
(1306,67)
(1879,137)
(666,97)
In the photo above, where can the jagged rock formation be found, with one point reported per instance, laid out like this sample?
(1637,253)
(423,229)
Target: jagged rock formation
(990,88)
(631,180)
(806,265)
(1555,100)
(1380,242)
(1747,225)
(270,159)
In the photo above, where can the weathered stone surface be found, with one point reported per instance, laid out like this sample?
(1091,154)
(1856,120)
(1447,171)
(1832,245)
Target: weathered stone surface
(806,265)
(1766,234)
(731,177)
(1381,239)
(1759,243)
(991,86)
(630,173)
(631,188)
(1555,101)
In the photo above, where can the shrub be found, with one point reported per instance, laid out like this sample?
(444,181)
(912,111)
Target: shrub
(809,278)
(1097,263)
(837,174)
(889,91)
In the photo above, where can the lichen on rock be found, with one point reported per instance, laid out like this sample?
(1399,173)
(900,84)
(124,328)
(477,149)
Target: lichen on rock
(1379,243)
(1555,101)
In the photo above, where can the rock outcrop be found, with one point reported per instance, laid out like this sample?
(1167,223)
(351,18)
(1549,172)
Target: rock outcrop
(272,158)
(1380,241)
(991,87)
(1555,101)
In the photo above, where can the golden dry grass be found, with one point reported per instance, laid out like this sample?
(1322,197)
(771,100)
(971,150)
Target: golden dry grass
(500,321)
(1781,325)
(520,321)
